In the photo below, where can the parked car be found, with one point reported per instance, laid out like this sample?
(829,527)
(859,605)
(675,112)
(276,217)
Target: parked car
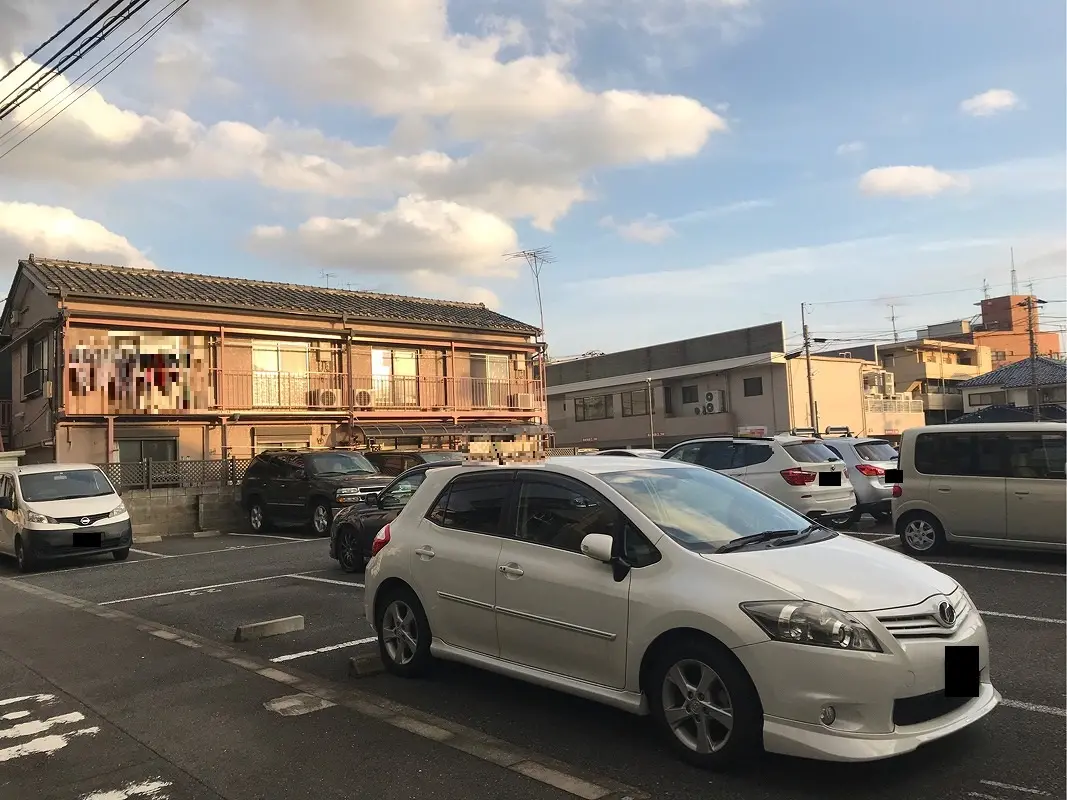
(396,462)
(306,485)
(56,511)
(867,460)
(663,588)
(635,452)
(801,472)
(988,484)
(354,527)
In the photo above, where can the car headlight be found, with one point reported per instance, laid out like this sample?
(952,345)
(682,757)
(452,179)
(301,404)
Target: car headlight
(40,519)
(801,622)
(347,490)
(118,510)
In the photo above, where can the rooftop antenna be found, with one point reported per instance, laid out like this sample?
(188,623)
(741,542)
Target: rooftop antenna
(985,288)
(536,259)
(326,277)
(893,319)
(1014,277)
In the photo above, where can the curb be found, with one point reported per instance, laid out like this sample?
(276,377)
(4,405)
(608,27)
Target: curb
(145,539)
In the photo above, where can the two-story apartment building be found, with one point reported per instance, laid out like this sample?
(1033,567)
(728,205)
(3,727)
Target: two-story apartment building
(1013,385)
(114,364)
(717,384)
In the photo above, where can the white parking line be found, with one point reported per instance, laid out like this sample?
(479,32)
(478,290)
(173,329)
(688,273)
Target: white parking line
(269,536)
(995,569)
(192,589)
(328,649)
(1013,788)
(1059,712)
(1023,617)
(303,577)
(148,553)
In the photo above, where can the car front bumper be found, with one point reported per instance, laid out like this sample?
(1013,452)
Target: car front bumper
(886,703)
(49,544)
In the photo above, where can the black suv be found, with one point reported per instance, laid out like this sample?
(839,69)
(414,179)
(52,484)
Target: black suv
(306,485)
(354,528)
(395,462)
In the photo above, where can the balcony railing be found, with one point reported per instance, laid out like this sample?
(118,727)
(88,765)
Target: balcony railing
(217,390)
(894,406)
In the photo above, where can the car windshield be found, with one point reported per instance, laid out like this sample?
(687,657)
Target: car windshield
(810,452)
(431,458)
(340,464)
(68,484)
(701,509)
(876,451)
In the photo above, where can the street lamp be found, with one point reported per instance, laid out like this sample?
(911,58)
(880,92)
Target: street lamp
(651,415)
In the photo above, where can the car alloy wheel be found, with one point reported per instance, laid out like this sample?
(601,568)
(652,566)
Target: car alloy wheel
(255,517)
(400,633)
(920,535)
(349,552)
(320,519)
(697,706)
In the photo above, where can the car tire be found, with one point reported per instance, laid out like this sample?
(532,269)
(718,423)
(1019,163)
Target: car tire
(350,553)
(921,534)
(882,516)
(403,634)
(121,555)
(841,521)
(319,518)
(258,522)
(24,558)
(716,721)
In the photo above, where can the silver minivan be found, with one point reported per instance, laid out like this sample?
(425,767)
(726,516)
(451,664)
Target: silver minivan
(58,511)
(987,484)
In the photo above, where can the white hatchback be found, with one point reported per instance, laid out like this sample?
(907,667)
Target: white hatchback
(663,588)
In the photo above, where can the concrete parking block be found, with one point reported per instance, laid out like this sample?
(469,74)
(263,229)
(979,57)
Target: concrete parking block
(273,627)
(362,666)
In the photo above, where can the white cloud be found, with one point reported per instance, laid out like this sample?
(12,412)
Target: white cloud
(419,234)
(990,102)
(53,232)
(648,230)
(909,181)
(850,148)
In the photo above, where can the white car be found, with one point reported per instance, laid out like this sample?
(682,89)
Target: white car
(801,472)
(632,452)
(867,460)
(663,588)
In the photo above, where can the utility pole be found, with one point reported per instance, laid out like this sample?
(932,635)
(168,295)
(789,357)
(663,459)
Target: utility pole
(1031,304)
(1014,277)
(985,288)
(651,415)
(893,319)
(807,361)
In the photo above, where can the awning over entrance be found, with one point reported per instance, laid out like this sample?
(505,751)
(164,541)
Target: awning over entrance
(389,430)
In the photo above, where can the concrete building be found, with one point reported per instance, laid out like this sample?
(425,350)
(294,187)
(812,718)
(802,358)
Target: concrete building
(718,384)
(929,370)
(1010,385)
(110,364)
(1002,326)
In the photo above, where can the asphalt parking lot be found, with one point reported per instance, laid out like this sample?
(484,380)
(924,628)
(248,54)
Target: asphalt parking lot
(208,586)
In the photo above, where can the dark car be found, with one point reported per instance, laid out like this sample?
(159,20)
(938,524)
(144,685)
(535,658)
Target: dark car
(306,486)
(354,528)
(397,462)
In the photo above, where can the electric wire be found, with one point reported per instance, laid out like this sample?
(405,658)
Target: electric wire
(26,59)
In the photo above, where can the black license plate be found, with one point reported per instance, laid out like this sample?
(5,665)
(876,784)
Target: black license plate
(829,479)
(961,670)
(87,539)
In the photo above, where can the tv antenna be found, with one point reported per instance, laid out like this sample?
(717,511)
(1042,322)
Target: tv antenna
(326,277)
(535,258)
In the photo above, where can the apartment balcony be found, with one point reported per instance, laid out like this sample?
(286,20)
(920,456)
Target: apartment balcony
(265,392)
(935,401)
(893,406)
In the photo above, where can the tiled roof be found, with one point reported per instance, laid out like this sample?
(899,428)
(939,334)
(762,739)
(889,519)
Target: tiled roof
(1014,376)
(156,286)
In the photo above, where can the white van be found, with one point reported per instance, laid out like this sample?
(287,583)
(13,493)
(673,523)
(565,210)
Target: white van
(56,511)
(988,484)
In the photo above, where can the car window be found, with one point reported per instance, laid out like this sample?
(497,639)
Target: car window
(67,484)
(7,488)
(961,454)
(835,451)
(689,453)
(560,514)
(809,452)
(701,509)
(748,455)
(1037,455)
(876,451)
(474,503)
(337,462)
(637,549)
(717,455)
(401,490)
(259,469)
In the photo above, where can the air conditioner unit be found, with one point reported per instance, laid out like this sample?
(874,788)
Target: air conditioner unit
(364,399)
(716,402)
(523,400)
(329,398)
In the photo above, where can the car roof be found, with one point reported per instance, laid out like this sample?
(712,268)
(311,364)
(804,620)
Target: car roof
(568,464)
(781,438)
(36,469)
(856,439)
(307,451)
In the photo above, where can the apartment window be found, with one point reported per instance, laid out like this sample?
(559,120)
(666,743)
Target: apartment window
(987,398)
(395,376)
(635,404)
(36,366)
(1056,394)
(753,387)
(280,374)
(668,400)
(999,355)
(690,394)
(594,407)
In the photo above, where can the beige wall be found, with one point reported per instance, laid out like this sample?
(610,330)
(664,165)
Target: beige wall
(932,363)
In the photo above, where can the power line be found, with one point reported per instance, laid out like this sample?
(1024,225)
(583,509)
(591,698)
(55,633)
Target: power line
(96,81)
(883,298)
(46,42)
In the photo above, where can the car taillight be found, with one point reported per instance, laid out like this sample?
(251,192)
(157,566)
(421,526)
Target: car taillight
(869,470)
(795,476)
(380,541)
(898,490)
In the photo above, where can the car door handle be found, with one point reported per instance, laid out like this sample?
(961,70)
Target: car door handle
(1021,491)
(511,570)
(425,552)
(944,489)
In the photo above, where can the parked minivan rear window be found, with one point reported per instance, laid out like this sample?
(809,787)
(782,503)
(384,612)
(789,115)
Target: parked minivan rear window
(67,484)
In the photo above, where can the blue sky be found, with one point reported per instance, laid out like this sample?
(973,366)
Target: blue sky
(826,153)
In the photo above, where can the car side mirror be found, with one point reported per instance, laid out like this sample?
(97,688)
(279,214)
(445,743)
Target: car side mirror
(598,546)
